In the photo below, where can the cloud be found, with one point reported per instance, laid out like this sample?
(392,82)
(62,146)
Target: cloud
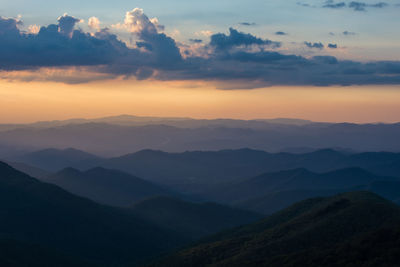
(361,6)
(61,45)
(266,68)
(303,4)
(137,22)
(204,33)
(314,45)
(9,26)
(164,48)
(71,55)
(280,33)
(34,29)
(235,38)
(332,4)
(347,33)
(196,41)
(94,23)
(156,23)
(247,23)
(332,46)
(54,46)
(66,24)
(355,5)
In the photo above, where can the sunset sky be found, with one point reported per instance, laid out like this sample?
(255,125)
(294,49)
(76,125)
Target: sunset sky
(320,60)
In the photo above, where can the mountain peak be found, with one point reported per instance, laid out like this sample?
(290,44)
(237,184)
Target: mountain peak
(69,171)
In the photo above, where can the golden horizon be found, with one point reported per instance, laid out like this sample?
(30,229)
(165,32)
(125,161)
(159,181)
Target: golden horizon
(27,102)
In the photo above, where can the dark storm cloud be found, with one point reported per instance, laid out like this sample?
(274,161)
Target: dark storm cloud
(247,23)
(9,26)
(272,68)
(332,4)
(280,33)
(235,38)
(237,58)
(196,41)
(332,46)
(66,24)
(355,5)
(59,45)
(361,6)
(314,45)
(52,47)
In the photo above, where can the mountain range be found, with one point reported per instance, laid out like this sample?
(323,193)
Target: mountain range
(49,217)
(256,180)
(44,225)
(195,220)
(212,166)
(115,136)
(352,229)
(64,229)
(108,187)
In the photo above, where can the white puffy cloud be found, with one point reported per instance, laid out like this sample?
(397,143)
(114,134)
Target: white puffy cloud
(34,29)
(94,23)
(137,22)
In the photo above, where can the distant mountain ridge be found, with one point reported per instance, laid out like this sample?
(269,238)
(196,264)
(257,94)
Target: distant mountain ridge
(301,179)
(131,120)
(56,159)
(190,171)
(208,167)
(105,186)
(120,135)
(272,192)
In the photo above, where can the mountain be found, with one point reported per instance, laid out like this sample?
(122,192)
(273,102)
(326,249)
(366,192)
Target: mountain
(105,186)
(300,179)
(48,217)
(197,171)
(352,229)
(28,169)
(387,189)
(275,201)
(111,137)
(270,192)
(56,159)
(15,253)
(189,168)
(195,220)
(182,122)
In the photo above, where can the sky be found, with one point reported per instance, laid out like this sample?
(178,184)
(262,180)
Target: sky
(319,60)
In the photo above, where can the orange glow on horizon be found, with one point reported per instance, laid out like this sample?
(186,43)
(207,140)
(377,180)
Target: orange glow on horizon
(22,102)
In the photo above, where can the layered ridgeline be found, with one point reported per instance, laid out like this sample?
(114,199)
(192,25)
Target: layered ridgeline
(270,192)
(49,217)
(53,160)
(105,186)
(229,176)
(192,219)
(43,225)
(122,135)
(274,201)
(352,229)
(210,167)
